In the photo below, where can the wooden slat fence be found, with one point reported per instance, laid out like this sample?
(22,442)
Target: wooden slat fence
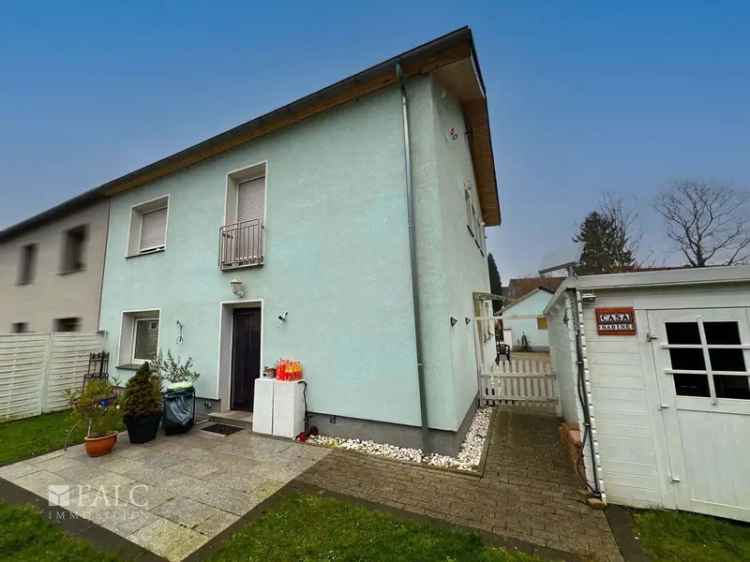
(36,371)
(520,382)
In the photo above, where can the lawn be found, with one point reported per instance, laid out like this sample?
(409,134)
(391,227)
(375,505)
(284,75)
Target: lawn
(25,536)
(317,528)
(31,437)
(672,536)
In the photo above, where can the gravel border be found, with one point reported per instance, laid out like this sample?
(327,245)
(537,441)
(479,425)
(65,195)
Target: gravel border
(468,458)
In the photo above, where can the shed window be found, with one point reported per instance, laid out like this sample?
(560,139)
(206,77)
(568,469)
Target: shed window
(541,323)
(702,353)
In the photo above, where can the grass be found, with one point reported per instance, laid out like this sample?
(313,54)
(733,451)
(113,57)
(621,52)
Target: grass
(31,437)
(317,528)
(672,536)
(25,536)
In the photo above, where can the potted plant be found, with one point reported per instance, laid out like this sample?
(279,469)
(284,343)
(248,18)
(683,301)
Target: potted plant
(142,405)
(97,409)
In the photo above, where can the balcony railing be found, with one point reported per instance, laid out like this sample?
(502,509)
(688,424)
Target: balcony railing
(241,244)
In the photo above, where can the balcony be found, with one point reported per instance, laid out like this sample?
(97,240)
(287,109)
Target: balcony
(241,244)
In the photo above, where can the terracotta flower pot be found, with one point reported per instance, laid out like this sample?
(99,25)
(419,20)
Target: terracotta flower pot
(98,446)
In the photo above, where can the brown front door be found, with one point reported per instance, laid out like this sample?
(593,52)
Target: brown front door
(245,357)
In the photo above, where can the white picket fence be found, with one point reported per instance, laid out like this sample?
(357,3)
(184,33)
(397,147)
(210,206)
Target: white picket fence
(520,382)
(37,370)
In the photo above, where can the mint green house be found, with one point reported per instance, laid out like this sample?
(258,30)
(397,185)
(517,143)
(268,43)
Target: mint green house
(289,237)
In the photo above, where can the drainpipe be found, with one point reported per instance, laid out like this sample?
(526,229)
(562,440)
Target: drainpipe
(582,398)
(426,446)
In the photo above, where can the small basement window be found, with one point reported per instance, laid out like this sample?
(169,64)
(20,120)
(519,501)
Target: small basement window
(72,324)
(27,265)
(19,327)
(73,251)
(148,227)
(139,337)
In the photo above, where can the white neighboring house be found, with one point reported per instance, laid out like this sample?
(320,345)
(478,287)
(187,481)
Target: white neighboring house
(664,357)
(525,320)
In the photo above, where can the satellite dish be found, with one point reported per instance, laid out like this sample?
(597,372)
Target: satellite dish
(562,258)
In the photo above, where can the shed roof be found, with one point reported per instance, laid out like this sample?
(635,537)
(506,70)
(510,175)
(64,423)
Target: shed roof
(451,56)
(520,286)
(655,278)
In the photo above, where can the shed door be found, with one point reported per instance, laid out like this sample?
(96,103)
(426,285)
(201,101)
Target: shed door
(702,360)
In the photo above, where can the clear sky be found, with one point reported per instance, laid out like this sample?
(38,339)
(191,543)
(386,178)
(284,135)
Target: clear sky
(585,97)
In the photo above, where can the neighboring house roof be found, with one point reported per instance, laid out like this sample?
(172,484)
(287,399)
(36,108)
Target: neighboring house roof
(655,278)
(521,286)
(526,296)
(451,56)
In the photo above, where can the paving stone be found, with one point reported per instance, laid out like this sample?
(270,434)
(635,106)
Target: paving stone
(216,523)
(529,490)
(168,539)
(123,518)
(12,472)
(186,512)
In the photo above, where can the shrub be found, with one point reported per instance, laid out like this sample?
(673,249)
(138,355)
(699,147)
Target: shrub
(142,396)
(96,408)
(172,370)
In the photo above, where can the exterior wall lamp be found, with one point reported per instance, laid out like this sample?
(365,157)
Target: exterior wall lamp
(238,288)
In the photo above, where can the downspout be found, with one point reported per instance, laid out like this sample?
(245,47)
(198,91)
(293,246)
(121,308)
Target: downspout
(426,446)
(582,398)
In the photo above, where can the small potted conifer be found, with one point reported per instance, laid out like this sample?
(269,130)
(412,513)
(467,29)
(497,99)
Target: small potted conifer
(96,409)
(142,405)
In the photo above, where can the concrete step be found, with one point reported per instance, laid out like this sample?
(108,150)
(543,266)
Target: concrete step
(238,418)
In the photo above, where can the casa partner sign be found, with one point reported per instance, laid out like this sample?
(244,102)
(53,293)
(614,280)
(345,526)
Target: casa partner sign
(615,321)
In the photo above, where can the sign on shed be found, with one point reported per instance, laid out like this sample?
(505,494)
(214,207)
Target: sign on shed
(615,321)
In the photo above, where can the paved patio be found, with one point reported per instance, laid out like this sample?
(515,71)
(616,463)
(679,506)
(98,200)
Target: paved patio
(528,492)
(172,495)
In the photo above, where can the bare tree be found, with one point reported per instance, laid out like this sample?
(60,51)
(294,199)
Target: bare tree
(710,223)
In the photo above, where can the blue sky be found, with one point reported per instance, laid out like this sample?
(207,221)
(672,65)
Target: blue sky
(585,97)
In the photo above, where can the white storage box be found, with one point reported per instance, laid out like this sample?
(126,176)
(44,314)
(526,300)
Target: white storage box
(288,408)
(263,405)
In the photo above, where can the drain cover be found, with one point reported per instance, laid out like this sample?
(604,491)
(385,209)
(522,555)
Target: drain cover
(222,428)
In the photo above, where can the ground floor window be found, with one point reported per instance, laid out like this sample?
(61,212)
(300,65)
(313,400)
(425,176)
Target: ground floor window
(72,324)
(139,338)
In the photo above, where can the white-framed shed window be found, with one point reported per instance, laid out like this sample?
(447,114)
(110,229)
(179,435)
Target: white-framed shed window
(148,227)
(139,337)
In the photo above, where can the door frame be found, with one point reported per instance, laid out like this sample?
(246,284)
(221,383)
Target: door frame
(226,338)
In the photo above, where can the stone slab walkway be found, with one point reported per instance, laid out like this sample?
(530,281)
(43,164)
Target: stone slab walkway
(172,495)
(528,492)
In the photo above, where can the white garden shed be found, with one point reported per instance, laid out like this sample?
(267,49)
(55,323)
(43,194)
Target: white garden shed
(655,365)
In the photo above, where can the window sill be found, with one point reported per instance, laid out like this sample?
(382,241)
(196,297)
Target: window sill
(129,367)
(230,267)
(72,271)
(148,253)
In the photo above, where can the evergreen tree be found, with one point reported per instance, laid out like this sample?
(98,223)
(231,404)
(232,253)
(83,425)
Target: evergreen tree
(606,244)
(496,286)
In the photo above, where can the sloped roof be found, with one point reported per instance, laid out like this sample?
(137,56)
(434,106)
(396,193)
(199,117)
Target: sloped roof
(521,286)
(450,54)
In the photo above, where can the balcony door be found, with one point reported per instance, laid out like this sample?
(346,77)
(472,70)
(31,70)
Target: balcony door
(251,195)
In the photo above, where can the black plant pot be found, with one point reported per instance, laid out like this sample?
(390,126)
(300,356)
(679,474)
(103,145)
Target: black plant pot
(142,429)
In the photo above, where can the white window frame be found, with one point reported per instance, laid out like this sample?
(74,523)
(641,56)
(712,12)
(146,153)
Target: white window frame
(133,247)
(126,344)
(133,358)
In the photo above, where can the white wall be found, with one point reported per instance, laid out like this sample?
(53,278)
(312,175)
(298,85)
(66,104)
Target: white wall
(521,318)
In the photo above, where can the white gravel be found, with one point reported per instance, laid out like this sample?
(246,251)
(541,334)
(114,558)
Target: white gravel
(467,459)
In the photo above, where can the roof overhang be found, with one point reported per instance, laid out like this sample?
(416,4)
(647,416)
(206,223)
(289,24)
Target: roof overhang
(452,57)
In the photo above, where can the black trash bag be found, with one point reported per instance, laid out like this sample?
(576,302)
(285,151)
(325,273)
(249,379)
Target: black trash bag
(179,410)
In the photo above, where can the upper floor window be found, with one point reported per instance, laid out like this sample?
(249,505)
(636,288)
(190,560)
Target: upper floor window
(27,265)
(241,237)
(474,223)
(148,227)
(74,246)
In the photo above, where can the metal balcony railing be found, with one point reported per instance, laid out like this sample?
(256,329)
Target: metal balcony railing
(241,244)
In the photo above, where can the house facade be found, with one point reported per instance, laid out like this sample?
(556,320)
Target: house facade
(51,269)
(289,237)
